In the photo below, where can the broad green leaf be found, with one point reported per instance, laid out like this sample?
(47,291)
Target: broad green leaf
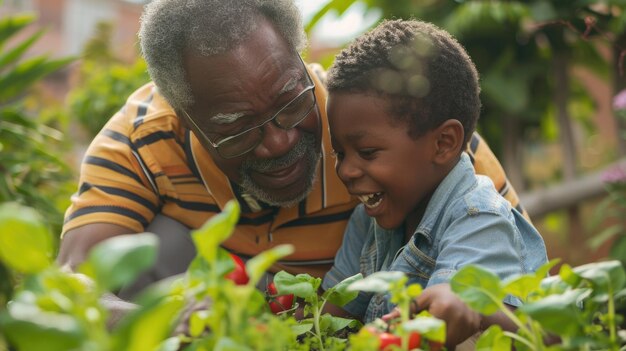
(301,328)
(330,325)
(522,286)
(478,288)
(339,294)
(429,327)
(493,339)
(146,327)
(378,282)
(301,285)
(558,314)
(30,328)
(25,242)
(170,344)
(259,264)
(606,276)
(215,231)
(198,322)
(118,260)
(228,344)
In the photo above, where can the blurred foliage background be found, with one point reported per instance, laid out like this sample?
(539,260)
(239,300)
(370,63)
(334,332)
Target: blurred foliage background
(549,73)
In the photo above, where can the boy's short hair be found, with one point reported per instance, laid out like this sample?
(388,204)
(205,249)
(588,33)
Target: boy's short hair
(427,74)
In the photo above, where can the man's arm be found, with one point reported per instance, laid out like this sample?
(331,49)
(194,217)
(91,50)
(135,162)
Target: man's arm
(75,248)
(77,243)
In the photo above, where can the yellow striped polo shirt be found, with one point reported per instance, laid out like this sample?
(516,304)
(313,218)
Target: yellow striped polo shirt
(145,162)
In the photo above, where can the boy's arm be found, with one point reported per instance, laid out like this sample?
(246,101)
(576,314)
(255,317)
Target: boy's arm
(461,321)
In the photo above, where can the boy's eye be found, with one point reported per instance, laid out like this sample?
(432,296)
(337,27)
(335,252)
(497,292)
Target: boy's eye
(367,153)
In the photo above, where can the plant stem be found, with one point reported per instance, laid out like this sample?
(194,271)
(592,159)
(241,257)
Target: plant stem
(611,317)
(519,338)
(316,323)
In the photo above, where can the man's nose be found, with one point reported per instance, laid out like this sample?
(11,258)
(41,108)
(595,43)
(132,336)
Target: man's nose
(277,141)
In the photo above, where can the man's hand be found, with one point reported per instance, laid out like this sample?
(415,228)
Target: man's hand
(461,321)
(116,307)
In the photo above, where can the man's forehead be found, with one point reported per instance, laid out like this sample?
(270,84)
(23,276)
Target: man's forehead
(293,77)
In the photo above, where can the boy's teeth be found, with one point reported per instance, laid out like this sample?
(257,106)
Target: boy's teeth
(371,200)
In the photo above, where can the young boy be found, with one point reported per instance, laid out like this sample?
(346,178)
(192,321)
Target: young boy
(403,103)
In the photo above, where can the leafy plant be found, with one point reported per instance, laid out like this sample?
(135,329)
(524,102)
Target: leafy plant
(30,170)
(578,306)
(320,328)
(432,330)
(105,82)
(613,206)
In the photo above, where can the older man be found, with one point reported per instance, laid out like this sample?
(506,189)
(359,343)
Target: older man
(232,113)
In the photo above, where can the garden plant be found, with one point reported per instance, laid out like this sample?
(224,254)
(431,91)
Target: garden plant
(52,309)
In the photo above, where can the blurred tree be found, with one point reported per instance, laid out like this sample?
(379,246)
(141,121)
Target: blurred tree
(523,51)
(105,82)
(31,172)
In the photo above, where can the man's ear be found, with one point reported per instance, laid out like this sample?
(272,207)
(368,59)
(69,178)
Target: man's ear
(449,138)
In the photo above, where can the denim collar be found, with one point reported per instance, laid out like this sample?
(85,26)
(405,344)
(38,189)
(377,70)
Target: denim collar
(458,181)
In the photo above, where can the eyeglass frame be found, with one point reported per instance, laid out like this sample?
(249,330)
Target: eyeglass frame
(273,118)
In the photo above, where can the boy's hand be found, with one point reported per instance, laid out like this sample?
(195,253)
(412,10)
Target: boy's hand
(461,321)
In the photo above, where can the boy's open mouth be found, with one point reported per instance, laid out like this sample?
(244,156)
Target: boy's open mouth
(371,200)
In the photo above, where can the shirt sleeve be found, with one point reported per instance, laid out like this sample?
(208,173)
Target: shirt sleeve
(347,260)
(113,187)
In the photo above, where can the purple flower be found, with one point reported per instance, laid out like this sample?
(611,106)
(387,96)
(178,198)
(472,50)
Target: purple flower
(619,101)
(613,175)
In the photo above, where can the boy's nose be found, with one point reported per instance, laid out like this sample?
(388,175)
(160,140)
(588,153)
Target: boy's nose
(347,171)
(277,141)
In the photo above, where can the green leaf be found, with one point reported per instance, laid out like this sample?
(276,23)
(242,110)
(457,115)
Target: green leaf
(558,314)
(170,344)
(378,282)
(478,288)
(330,325)
(301,328)
(13,24)
(118,260)
(30,328)
(259,264)
(301,285)
(493,339)
(605,235)
(146,327)
(15,53)
(215,231)
(338,6)
(340,294)
(25,242)
(228,344)
(429,327)
(27,72)
(522,286)
(607,277)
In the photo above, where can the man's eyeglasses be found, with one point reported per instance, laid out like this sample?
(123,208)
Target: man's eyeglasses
(289,116)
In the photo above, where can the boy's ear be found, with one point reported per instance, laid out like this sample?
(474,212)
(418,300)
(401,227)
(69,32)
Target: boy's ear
(450,136)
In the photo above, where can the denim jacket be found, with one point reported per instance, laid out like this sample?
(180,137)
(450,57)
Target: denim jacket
(466,222)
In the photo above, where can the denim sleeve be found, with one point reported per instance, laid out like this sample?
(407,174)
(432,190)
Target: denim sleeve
(487,239)
(348,258)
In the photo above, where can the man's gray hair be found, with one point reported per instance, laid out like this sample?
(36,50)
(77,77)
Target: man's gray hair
(208,27)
